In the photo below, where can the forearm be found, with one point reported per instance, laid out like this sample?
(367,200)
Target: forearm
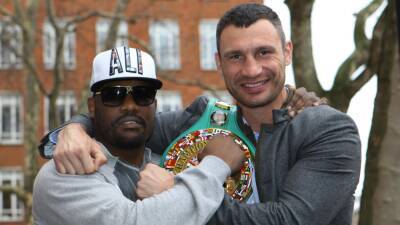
(193,200)
(48,142)
(92,201)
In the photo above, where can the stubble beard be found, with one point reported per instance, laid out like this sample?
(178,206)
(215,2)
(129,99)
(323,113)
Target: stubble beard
(110,137)
(128,143)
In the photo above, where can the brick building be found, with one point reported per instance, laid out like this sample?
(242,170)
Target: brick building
(180,32)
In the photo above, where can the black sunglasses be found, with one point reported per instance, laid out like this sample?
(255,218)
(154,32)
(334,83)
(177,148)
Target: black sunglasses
(115,95)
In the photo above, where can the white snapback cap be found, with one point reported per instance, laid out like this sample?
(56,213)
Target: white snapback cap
(123,63)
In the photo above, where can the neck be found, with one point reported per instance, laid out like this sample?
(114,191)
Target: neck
(132,156)
(263,114)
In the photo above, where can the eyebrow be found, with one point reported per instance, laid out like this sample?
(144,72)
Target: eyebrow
(258,48)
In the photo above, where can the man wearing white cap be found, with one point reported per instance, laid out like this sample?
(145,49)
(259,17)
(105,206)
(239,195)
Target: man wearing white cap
(122,109)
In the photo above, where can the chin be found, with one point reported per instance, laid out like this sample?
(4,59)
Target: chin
(129,143)
(255,101)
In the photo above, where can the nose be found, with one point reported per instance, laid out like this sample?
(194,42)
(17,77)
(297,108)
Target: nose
(251,67)
(129,104)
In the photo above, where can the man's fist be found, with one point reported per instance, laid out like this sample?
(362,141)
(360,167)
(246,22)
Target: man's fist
(153,180)
(226,149)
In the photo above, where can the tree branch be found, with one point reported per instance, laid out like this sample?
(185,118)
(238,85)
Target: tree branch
(374,54)
(143,45)
(360,54)
(303,61)
(360,39)
(81,18)
(20,192)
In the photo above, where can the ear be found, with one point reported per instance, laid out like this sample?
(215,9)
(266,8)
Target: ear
(218,62)
(288,51)
(91,106)
(155,105)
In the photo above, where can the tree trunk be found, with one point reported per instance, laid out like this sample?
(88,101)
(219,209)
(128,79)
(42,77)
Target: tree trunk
(303,61)
(30,140)
(380,202)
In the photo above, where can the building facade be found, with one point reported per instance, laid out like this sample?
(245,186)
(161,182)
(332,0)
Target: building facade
(180,33)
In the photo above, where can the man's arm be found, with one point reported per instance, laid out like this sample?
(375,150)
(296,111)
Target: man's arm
(48,142)
(319,185)
(72,154)
(92,200)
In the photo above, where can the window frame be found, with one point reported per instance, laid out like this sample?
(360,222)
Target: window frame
(49,45)
(15,62)
(102,26)
(14,101)
(166,31)
(66,99)
(207,44)
(164,97)
(17,210)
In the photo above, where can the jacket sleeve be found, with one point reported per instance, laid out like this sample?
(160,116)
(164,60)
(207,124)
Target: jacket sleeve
(48,142)
(320,183)
(91,200)
(168,125)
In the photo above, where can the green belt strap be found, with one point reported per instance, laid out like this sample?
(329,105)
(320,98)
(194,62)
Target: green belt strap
(206,121)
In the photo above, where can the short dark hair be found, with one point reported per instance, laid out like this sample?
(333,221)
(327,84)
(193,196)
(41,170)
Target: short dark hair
(245,15)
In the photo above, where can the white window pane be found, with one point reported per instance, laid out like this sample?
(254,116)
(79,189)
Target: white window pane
(10,125)
(102,27)
(164,40)
(11,208)
(168,101)
(66,107)
(208,45)
(10,47)
(69,49)
(6,118)
(49,45)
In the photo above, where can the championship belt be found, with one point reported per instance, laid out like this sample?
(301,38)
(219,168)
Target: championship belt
(218,118)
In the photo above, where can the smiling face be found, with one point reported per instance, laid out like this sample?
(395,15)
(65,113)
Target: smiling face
(126,126)
(252,62)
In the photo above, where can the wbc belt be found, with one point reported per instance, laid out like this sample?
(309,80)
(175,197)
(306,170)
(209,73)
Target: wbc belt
(218,118)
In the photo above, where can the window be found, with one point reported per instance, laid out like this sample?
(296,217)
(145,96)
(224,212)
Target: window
(49,46)
(10,119)
(11,208)
(10,46)
(66,107)
(221,95)
(102,27)
(168,101)
(164,39)
(208,44)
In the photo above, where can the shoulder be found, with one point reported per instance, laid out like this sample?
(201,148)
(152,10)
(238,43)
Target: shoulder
(49,177)
(324,116)
(198,105)
(323,124)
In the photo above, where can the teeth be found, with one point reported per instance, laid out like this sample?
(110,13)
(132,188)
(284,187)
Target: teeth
(130,122)
(252,85)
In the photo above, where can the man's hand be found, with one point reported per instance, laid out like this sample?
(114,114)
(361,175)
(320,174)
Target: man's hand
(226,149)
(300,98)
(76,152)
(153,180)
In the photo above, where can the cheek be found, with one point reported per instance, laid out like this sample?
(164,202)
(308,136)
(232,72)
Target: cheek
(229,73)
(149,117)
